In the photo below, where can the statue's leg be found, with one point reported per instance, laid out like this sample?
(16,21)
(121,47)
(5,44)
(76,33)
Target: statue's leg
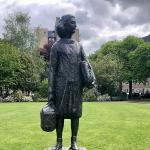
(74,130)
(59,130)
(74,126)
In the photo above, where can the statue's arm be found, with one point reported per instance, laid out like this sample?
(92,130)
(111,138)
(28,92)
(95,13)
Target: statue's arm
(83,55)
(84,58)
(53,61)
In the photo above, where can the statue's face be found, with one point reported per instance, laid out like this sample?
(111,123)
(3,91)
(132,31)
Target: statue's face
(66,26)
(71,24)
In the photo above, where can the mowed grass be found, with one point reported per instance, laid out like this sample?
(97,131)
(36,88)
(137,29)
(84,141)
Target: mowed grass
(104,126)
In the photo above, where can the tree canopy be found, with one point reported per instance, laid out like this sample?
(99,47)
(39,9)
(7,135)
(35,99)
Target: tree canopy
(21,64)
(18,31)
(127,60)
(140,59)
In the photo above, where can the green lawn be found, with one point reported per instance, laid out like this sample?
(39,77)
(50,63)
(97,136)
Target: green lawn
(104,126)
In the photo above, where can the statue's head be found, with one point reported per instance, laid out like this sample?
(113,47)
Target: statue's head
(66,26)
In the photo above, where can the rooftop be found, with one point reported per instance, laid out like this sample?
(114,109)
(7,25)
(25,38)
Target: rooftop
(146,38)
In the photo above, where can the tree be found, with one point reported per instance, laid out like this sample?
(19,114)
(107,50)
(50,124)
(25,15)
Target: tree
(17,31)
(107,57)
(121,50)
(9,66)
(107,71)
(29,77)
(140,59)
(43,89)
(129,45)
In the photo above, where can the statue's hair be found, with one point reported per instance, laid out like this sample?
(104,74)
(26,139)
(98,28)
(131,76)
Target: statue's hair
(62,27)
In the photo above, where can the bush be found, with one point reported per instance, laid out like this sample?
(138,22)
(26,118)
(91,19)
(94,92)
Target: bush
(18,96)
(27,99)
(7,99)
(36,96)
(88,95)
(43,89)
(104,97)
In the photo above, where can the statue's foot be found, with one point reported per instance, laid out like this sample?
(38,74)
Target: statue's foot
(58,145)
(73,148)
(73,143)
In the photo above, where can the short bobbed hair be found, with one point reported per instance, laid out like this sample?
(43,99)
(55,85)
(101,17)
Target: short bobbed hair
(63,28)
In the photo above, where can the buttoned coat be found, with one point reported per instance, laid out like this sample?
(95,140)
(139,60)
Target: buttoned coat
(65,79)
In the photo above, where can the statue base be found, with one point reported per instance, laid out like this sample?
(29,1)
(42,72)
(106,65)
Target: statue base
(65,148)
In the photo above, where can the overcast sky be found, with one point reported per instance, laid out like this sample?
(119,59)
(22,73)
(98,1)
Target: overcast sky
(97,20)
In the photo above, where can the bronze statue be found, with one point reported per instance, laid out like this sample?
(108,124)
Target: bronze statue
(65,81)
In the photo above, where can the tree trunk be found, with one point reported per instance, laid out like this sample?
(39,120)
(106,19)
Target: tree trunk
(1,91)
(130,89)
(120,87)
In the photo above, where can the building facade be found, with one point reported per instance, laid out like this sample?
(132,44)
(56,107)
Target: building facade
(44,36)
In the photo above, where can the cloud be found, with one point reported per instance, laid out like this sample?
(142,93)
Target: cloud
(97,20)
(134,12)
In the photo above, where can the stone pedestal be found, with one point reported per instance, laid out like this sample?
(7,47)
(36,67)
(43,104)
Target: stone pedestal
(65,148)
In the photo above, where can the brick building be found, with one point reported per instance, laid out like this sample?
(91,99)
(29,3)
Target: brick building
(44,35)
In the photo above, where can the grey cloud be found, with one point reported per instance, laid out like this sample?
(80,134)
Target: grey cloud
(140,16)
(41,15)
(100,8)
(94,44)
(96,12)
(93,17)
(87,33)
(128,3)
(82,16)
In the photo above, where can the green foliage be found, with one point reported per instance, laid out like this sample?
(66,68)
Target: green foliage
(30,76)
(121,50)
(21,66)
(110,47)
(107,67)
(9,64)
(113,64)
(43,89)
(17,31)
(107,71)
(140,59)
(88,95)
(18,96)
(129,45)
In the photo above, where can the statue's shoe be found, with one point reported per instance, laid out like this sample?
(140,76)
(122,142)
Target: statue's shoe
(74,148)
(57,148)
(73,144)
(58,145)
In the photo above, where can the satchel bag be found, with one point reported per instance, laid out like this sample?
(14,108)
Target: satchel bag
(87,73)
(48,118)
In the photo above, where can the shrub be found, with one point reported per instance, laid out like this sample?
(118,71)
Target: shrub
(18,96)
(104,97)
(36,96)
(43,89)
(27,99)
(7,99)
(88,95)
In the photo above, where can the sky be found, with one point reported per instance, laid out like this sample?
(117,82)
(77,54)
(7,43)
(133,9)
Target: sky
(98,20)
